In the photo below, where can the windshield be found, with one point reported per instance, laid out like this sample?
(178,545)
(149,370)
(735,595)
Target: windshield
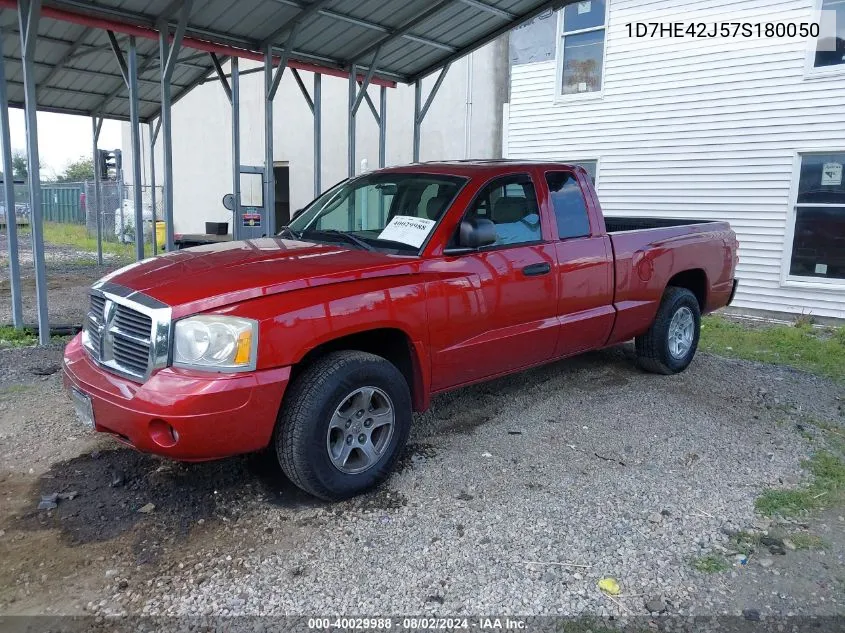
(380,211)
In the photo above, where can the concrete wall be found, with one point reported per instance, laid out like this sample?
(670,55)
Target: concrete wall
(202,150)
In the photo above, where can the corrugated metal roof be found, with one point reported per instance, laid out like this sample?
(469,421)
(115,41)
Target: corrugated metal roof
(77,72)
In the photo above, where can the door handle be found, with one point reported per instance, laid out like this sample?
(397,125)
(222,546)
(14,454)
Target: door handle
(535,270)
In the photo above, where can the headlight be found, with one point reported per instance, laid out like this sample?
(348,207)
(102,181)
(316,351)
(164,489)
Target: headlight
(221,343)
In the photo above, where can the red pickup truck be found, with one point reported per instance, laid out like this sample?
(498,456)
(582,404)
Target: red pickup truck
(390,287)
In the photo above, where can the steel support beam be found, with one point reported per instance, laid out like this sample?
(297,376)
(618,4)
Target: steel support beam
(406,26)
(350,129)
(96,126)
(118,53)
(67,57)
(420,109)
(481,6)
(29,12)
(272,77)
(292,26)
(298,78)
(367,79)
(366,24)
(168,53)
(382,127)
(236,148)
(218,68)
(135,123)
(9,197)
(415,155)
(153,134)
(318,133)
(371,106)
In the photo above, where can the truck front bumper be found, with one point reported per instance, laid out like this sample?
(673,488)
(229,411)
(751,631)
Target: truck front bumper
(185,415)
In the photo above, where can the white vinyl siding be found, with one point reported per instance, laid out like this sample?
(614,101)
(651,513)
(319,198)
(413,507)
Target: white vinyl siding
(692,129)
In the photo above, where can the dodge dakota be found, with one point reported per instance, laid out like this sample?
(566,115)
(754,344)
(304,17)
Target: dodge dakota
(392,286)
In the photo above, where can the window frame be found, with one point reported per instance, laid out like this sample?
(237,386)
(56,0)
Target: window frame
(475,198)
(578,162)
(579,96)
(798,281)
(811,71)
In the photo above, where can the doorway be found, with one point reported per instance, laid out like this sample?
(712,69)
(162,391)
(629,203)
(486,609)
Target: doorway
(281,177)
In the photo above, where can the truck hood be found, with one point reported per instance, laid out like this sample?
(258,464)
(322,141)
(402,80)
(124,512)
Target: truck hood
(207,277)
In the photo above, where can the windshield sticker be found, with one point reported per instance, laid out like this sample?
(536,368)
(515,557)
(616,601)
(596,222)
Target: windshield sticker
(408,230)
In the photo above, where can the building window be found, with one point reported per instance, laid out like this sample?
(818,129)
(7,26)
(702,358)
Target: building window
(830,50)
(582,46)
(818,243)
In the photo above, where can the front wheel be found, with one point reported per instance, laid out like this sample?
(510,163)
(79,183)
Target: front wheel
(670,343)
(343,424)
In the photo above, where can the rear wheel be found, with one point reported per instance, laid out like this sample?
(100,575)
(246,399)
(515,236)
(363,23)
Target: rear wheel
(343,424)
(670,343)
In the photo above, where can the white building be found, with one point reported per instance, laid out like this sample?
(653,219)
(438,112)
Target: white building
(749,131)
(465,120)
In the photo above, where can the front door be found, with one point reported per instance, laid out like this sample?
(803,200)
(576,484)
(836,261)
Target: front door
(494,310)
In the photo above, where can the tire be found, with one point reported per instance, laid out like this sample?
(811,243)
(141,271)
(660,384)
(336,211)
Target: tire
(323,410)
(660,353)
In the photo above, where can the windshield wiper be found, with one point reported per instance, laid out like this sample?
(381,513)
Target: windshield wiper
(349,238)
(289,231)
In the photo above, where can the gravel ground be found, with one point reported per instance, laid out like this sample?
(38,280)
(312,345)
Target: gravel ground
(514,497)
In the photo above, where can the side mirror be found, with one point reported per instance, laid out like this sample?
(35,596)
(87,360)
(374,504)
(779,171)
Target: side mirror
(476,232)
(472,235)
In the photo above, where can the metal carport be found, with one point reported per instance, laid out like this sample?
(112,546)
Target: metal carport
(130,60)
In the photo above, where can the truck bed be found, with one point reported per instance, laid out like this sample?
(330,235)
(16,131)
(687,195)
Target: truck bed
(621,224)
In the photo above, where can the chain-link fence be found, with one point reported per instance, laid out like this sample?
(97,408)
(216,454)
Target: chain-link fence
(22,209)
(117,211)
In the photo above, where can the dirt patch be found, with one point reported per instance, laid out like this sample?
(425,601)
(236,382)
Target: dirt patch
(414,455)
(102,495)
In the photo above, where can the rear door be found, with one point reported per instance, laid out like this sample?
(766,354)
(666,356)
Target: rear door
(584,264)
(494,310)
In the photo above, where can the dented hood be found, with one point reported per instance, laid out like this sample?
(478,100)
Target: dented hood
(207,277)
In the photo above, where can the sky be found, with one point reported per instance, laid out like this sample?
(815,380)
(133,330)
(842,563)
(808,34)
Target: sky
(62,138)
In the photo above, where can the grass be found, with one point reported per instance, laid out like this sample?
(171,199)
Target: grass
(818,351)
(11,337)
(76,236)
(710,564)
(745,542)
(805,540)
(826,488)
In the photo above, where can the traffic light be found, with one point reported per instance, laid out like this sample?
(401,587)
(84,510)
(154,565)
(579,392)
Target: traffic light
(109,164)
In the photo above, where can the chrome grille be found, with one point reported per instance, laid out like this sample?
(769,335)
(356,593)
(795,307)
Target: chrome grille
(126,331)
(133,323)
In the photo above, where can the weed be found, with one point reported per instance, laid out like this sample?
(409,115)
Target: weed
(710,564)
(826,487)
(745,542)
(12,337)
(805,540)
(802,346)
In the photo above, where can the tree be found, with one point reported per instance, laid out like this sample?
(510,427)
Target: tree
(20,166)
(78,170)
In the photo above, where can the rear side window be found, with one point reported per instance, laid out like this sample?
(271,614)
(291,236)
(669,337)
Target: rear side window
(569,205)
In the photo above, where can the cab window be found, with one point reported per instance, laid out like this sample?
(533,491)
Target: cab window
(510,203)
